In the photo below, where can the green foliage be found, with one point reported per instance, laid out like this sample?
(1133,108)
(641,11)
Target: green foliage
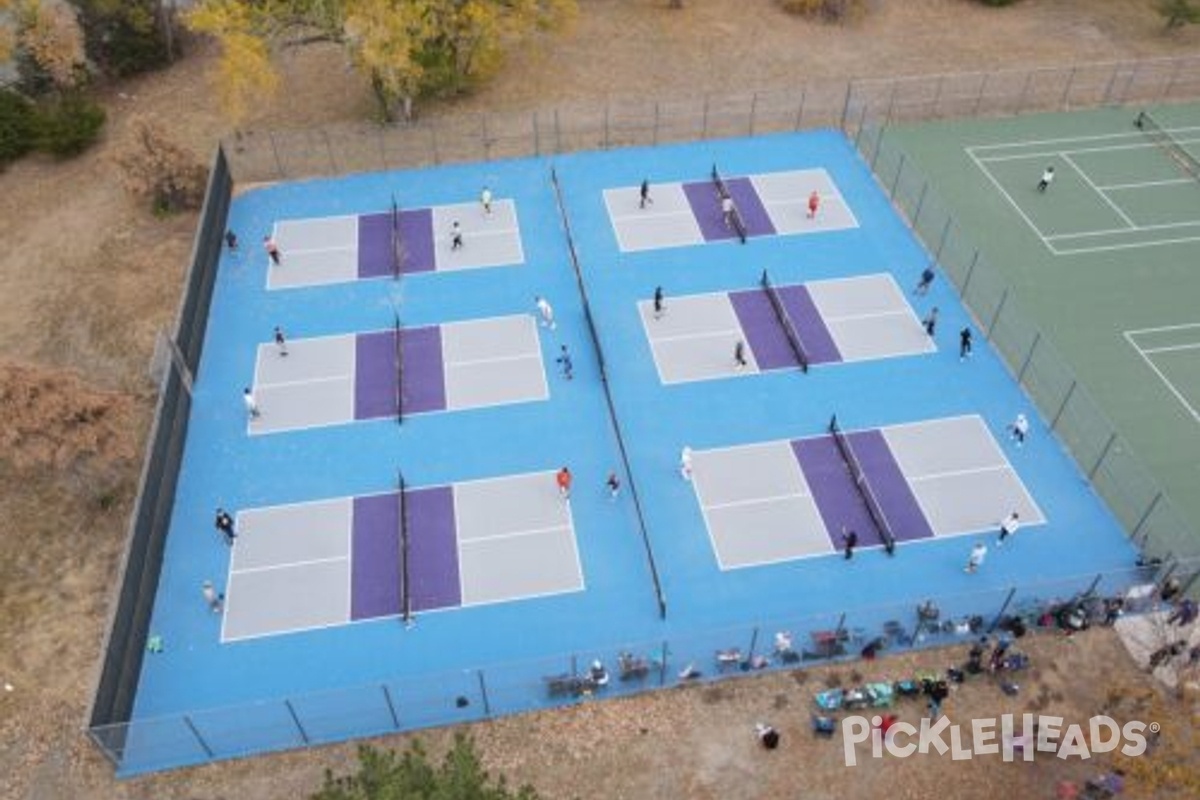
(17,127)
(997,3)
(827,10)
(1178,13)
(385,775)
(123,37)
(69,125)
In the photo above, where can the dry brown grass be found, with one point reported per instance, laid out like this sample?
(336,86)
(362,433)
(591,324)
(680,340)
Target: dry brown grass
(88,278)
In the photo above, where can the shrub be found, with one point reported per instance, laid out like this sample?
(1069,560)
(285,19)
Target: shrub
(1177,13)
(827,10)
(155,167)
(69,125)
(123,37)
(997,3)
(17,127)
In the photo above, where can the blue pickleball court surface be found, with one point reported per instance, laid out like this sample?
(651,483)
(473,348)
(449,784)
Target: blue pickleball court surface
(506,579)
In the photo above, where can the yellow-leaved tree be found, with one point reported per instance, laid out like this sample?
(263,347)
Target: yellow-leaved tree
(405,49)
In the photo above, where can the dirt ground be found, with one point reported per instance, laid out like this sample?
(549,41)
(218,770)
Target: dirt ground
(89,277)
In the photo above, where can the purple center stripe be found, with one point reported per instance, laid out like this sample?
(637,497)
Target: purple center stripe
(375,251)
(706,207)
(764,334)
(375,375)
(838,501)
(375,557)
(890,487)
(750,207)
(424,378)
(432,549)
(819,346)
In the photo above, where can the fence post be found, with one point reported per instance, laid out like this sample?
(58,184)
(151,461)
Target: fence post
(483,692)
(606,105)
(1136,533)
(967,280)
(800,108)
(275,151)
(208,751)
(878,148)
(1171,81)
(1024,91)
(382,149)
(387,698)
(899,170)
(704,119)
(937,96)
(945,232)
(887,117)
(920,205)
(753,644)
(846,103)
(329,149)
(753,111)
(662,664)
(1112,437)
(1129,83)
(557,132)
(1037,338)
(483,135)
(996,313)
(979,97)
(537,135)
(656,124)
(433,143)
(296,720)
(1012,592)
(1065,103)
(1111,81)
(1063,406)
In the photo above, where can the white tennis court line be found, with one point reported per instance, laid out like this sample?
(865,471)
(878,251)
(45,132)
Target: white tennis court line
(1172,348)
(1087,179)
(750,501)
(1042,154)
(702,335)
(1109,231)
(1143,184)
(1048,240)
(1130,336)
(289,564)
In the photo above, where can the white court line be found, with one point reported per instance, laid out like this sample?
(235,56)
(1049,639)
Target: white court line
(687,336)
(1143,184)
(1004,193)
(953,473)
(517,533)
(1093,137)
(1081,150)
(1070,251)
(1087,179)
(1166,381)
(1108,231)
(293,250)
(288,564)
(307,381)
(751,501)
(1184,326)
(1172,348)
(872,315)
(495,360)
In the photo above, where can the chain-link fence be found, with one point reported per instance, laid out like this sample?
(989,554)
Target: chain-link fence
(120,666)
(863,109)
(258,156)
(621,668)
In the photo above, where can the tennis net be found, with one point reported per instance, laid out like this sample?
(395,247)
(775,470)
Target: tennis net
(398,358)
(789,330)
(735,216)
(860,483)
(402,524)
(397,240)
(1169,144)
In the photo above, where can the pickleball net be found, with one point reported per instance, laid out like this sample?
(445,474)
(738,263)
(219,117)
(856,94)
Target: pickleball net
(1168,144)
(398,358)
(785,321)
(397,240)
(402,526)
(860,483)
(722,193)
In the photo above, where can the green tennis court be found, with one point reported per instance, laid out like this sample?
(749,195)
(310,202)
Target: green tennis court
(1101,271)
